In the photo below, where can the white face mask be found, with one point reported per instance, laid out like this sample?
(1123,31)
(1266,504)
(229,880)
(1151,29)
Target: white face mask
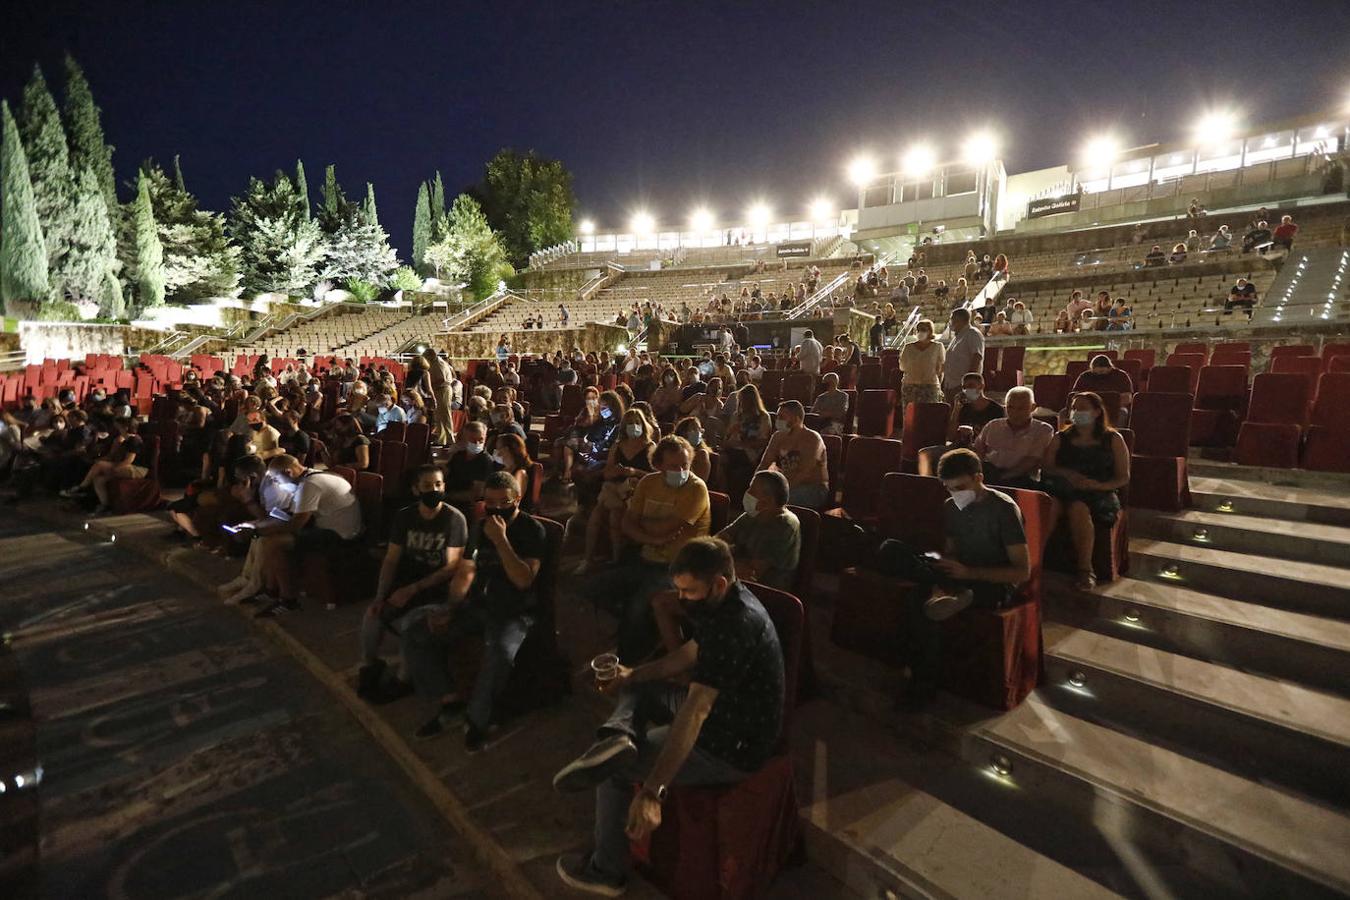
(749,504)
(635,430)
(1082,417)
(962,499)
(972,393)
(475,448)
(677,478)
(499,459)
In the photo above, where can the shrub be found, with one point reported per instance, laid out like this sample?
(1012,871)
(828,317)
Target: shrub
(405,279)
(361,291)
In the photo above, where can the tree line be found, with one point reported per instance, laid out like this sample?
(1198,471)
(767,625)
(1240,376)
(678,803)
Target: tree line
(68,243)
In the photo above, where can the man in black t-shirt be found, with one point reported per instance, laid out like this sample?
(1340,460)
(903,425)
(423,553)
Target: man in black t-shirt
(469,466)
(972,409)
(425,545)
(725,726)
(492,597)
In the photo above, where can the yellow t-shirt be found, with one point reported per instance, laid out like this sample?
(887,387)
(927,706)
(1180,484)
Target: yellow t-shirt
(654,502)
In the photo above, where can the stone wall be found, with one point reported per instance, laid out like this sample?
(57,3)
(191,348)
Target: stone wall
(592,337)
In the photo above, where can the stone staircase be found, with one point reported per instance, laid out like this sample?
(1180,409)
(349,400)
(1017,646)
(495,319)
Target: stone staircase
(1191,737)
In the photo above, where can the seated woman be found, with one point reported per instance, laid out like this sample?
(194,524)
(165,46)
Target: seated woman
(120,462)
(510,455)
(349,445)
(564,447)
(414,406)
(1084,466)
(747,434)
(667,398)
(694,431)
(1178,255)
(591,452)
(630,458)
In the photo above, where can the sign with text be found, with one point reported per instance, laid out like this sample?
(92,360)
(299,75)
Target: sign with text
(798,249)
(1053,206)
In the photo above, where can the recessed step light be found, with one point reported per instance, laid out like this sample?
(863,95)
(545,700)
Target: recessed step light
(1131,615)
(1171,572)
(1001,765)
(1077,678)
(1226,506)
(1201,535)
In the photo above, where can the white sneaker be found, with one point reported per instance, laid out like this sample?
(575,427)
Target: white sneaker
(940,609)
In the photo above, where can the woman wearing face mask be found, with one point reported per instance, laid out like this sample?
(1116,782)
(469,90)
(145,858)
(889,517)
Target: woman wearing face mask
(668,397)
(922,362)
(590,457)
(510,455)
(693,431)
(747,434)
(705,406)
(565,447)
(1084,466)
(630,458)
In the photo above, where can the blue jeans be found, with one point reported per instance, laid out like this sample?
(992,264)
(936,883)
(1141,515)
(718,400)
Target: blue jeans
(812,496)
(426,654)
(654,704)
(626,591)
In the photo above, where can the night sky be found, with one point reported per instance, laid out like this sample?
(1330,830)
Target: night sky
(658,104)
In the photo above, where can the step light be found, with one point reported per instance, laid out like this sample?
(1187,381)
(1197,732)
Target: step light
(1077,678)
(1226,506)
(1132,616)
(1001,765)
(1201,535)
(1172,573)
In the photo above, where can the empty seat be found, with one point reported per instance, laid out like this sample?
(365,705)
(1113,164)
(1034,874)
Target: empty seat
(1276,415)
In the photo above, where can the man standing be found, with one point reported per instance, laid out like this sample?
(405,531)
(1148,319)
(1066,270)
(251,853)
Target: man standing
(811,354)
(724,725)
(965,352)
(492,596)
(440,375)
(799,453)
(1011,448)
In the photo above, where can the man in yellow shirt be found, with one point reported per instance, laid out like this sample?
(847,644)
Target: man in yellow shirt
(668,508)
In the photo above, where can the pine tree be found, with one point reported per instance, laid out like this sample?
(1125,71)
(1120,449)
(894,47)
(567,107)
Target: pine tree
(93,247)
(372,216)
(301,190)
(279,249)
(199,260)
(149,251)
(23,255)
(438,221)
(114,304)
(88,148)
(44,144)
(421,234)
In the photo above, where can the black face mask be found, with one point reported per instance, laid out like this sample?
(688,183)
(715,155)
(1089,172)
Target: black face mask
(431,499)
(502,512)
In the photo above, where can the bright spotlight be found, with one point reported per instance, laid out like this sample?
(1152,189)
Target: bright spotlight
(918,160)
(701,220)
(980,149)
(759,215)
(822,210)
(862,170)
(586,226)
(642,223)
(1215,127)
(1101,151)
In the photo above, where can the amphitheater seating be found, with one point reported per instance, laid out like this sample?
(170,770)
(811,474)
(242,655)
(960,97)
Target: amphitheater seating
(1275,418)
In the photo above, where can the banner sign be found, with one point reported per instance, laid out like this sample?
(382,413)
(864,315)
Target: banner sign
(1053,206)
(799,249)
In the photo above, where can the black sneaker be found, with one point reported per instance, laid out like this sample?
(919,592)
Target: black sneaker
(391,690)
(368,678)
(436,725)
(476,739)
(574,869)
(276,608)
(595,765)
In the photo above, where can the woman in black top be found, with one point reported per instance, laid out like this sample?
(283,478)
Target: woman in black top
(1084,466)
(630,458)
(350,445)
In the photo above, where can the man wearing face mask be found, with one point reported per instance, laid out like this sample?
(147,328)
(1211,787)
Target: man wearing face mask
(799,453)
(984,560)
(667,509)
(469,466)
(387,412)
(971,410)
(492,597)
(766,539)
(717,731)
(426,541)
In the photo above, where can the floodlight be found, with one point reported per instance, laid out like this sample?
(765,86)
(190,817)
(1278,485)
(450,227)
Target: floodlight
(918,160)
(980,149)
(642,223)
(701,219)
(759,215)
(822,209)
(1215,127)
(1100,151)
(862,170)
(586,226)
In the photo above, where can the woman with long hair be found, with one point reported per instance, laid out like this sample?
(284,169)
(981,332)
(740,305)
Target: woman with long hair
(695,432)
(510,453)
(1084,466)
(630,458)
(747,434)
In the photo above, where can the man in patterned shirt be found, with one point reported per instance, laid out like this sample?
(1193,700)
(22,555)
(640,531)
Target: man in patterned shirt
(718,730)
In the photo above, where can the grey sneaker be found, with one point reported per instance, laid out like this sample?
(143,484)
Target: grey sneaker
(596,764)
(940,609)
(575,871)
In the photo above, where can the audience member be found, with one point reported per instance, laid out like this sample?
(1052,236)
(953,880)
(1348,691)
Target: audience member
(799,454)
(971,410)
(1011,448)
(1102,376)
(510,455)
(831,405)
(964,353)
(812,353)
(1284,233)
(766,538)
(630,460)
(469,465)
(1243,294)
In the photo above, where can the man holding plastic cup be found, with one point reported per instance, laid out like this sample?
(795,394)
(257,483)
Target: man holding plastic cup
(718,730)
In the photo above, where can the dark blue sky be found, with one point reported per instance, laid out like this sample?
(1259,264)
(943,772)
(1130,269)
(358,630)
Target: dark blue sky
(657,104)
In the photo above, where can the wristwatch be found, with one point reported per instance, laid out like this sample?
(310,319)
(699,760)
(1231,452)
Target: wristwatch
(658,793)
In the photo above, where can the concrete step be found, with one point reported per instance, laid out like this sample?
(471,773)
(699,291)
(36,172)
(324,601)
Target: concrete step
(1328,505)
(1293,646)
(1283,538)
(1252,839)
(1255,726)
(1286,584)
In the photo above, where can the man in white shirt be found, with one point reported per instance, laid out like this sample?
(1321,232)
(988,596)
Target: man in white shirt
(965,352)
(811,354)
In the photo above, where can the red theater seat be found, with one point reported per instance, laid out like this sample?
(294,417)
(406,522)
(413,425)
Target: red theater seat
(1219,399)
(1170,380)
(1276,415)
(1158,475)
(1052,391)
(1328,445)
(133,495)
(866,460)
(876,413)
(924,425)
(803,587)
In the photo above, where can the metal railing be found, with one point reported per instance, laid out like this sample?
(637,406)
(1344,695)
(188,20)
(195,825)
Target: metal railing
(901,337)
(481,308)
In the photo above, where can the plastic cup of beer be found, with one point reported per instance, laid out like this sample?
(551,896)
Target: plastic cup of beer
(605,667)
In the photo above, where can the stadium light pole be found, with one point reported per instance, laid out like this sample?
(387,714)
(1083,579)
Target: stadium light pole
(861,170)
(918,160)
(642,224)
(1215,127)
(701,221)
(586,226)
(980,149)
(1099,152)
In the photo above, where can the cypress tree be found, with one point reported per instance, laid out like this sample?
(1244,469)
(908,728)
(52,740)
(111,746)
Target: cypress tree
(93,246)
(178,176)
(44,144)
(421,235)
(88,148)
(301,190)
(149,251)
(23,255)
(372,216)
(438,219)
(332,194)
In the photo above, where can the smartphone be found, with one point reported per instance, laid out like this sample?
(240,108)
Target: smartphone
(932,555)
(230,529)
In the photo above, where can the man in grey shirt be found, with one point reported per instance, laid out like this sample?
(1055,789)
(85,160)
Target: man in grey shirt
(766,539)
(965,352)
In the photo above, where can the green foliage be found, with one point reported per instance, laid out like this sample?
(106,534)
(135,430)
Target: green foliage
(438,222)
(199,260)
(280,249)
(59,311)
(44,144)
(358,247)
(421,234)
(92,254)
(405,279)
(88,148)
(301,190)
(114,305)
(361,291)
(149,251)
(335,207)
(470,252)
(368,208)
(528,200)
(23,255)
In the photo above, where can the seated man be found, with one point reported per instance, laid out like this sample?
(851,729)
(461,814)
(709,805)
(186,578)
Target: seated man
(667,509)
(985,560)
(387,411)
(469,466)
(1103,375)
(766,539)
(971,410)
(324,518)
(1155,257)
(426,541)
(1284,233)
(492,596)
(1256,238)
(799,453)
(718,731)
(1242,295)
(831,405)
(1011,448)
